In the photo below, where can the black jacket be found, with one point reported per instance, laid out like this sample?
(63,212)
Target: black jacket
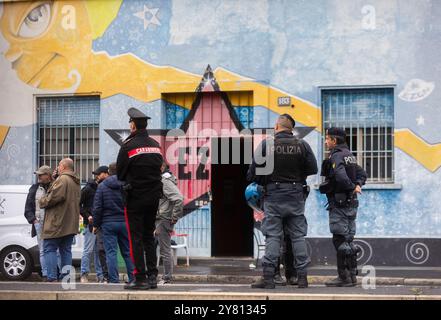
(345,173)
(139,165)
(30,208)
(86,200)
(308,167)
(108,204)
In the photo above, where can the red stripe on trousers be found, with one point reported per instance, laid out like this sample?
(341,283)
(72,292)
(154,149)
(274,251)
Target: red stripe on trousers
(135,271)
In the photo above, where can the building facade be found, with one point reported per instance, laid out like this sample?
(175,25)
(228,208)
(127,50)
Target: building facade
(215,73)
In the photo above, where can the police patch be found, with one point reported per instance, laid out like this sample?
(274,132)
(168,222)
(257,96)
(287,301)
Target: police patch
(143,150)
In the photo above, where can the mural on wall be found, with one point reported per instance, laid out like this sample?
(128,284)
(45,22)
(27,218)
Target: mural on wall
(51,47)
(3,133)
(213,112)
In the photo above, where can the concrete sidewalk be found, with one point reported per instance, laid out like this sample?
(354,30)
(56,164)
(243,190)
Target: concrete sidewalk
(237,271)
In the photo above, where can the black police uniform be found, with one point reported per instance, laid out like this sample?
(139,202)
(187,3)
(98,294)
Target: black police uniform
(284,200)
(139,165)
(342,175)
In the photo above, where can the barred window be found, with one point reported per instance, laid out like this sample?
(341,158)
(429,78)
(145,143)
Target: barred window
(367,115)
(69,127)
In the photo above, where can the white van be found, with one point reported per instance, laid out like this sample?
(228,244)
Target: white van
(19,254)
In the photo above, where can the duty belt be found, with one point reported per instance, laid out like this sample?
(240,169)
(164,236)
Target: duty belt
(280,185)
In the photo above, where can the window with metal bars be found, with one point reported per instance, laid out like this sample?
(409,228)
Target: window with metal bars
(69,127)
(367,115)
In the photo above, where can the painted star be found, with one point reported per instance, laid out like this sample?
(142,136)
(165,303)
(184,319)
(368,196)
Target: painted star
(123,136)
(420,120)
(148,16)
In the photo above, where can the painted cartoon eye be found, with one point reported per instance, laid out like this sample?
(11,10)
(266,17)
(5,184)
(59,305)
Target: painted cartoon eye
(36,22)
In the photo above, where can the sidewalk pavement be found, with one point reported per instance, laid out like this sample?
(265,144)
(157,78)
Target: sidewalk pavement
(237,271)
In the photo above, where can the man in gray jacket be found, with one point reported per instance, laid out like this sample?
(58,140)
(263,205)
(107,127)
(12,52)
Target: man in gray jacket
(169,212)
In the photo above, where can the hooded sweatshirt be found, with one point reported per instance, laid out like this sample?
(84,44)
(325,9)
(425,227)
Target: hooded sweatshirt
(172,202)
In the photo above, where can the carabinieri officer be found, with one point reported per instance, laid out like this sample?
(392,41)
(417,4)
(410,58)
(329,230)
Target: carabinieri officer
(139,165)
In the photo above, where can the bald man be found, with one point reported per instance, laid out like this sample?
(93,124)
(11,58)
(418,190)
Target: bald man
(61,220)
(288,161)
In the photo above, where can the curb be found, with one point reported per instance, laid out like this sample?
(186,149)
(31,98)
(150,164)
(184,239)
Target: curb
(170,295)
(243,279)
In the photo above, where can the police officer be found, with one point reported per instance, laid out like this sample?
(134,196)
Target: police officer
(139,165)
(289,161)
(343,180)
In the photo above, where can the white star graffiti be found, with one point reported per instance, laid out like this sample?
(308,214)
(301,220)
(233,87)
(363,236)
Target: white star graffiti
(123,136)
(147,21)
(420,120)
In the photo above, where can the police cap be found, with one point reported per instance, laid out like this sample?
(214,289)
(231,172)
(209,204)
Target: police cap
(336,132)
(135,114)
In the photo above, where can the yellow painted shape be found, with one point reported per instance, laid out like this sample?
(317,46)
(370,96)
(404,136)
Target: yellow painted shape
(241,98)
(429,155)
(184,100)
(127,74)
(3,134)
(266,96)
(101,14)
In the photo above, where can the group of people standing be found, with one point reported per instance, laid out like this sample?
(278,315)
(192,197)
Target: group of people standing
(132,204)
(136,199)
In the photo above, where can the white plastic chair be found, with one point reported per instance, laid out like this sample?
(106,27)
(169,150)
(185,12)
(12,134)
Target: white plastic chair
(180,245)
(174,248)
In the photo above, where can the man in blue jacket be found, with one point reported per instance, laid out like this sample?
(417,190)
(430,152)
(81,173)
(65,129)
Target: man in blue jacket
(108,215)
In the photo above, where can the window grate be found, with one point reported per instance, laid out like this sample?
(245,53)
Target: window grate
(69,127)
(367,117)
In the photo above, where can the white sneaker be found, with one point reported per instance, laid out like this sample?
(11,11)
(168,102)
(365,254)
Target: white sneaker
(102,280)
(84,279)
(164,281)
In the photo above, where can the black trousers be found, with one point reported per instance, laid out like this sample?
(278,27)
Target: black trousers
(140,219)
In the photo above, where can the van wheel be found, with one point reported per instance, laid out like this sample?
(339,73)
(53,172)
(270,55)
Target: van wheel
(15,263)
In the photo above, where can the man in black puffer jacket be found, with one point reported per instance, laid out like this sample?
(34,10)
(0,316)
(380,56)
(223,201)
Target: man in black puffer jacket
(108,215)
(93,243)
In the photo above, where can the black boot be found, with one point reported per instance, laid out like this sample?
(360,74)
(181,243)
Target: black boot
(302,279)
(138,284)
(343,280)
(267,281)
(352,263)
(292,281)
(278,279)
(291,276)
(152,281)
